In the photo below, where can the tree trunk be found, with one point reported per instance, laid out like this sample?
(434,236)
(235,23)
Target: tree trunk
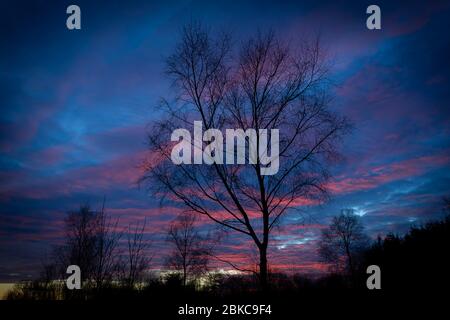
(263,272)
(350,263)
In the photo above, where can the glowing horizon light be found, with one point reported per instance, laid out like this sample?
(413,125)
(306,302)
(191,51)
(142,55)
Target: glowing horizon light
(359,211)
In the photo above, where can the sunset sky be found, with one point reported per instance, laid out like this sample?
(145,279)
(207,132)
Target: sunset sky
(74,106)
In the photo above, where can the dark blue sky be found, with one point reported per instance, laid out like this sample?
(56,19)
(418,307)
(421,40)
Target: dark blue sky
(75,105)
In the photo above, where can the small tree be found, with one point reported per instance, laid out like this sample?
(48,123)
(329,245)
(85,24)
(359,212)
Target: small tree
(342,241)
(191,251)
(107,255)
(91,242)
(136,260)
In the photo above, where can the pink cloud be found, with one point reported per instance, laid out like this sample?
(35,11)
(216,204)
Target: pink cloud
(372,177)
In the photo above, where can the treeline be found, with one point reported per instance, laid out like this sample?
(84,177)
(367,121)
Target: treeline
(416,261)
(107,255)
(117,259)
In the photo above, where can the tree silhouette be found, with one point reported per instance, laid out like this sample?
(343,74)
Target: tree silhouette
(266,84)
(342,241)
(136,259)
(415,262)
(191,251)
(92,243)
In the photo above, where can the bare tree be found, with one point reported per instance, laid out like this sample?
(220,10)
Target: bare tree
(91,243)
(342,241)
(191,251)
(265,85)
(107,249)
(136,260)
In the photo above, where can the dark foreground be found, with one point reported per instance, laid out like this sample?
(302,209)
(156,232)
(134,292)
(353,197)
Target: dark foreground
(414,280)
(318,304)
